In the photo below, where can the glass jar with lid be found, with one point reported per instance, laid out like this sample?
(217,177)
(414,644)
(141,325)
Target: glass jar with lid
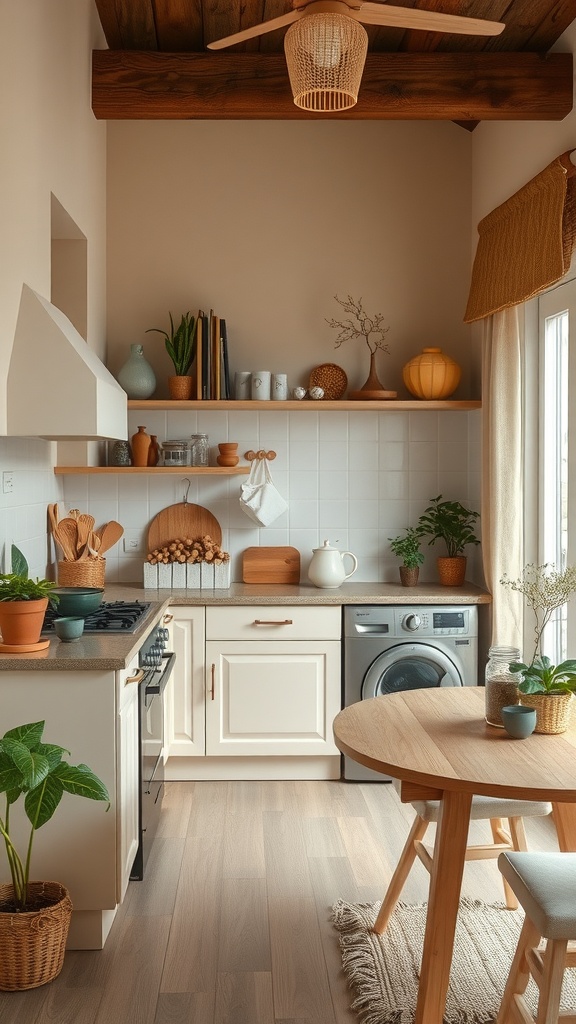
(175,453)
(199,450)
(501,683)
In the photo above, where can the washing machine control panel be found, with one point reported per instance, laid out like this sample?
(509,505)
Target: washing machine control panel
(435,622)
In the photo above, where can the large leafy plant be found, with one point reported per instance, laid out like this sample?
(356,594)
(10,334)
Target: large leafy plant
(17,585)
(545,589)
(450,522)
(37,772)
(180,342)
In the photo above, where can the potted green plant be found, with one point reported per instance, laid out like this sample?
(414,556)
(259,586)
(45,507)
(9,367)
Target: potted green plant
(407,548)
(542,685)
(452,523)
(34,916)
(180,344)
(23,603)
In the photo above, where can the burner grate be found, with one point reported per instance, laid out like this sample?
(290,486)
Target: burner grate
(110,617)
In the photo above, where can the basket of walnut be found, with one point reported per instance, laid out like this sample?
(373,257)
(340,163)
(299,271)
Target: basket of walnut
(188,564)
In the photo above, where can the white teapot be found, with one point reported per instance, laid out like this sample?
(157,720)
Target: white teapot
(326,569)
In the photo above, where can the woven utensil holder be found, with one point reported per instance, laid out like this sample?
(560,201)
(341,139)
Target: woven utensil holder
(552,710)
(87,572)
(32,943)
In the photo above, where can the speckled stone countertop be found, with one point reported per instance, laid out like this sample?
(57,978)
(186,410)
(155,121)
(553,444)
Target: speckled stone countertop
(101,652)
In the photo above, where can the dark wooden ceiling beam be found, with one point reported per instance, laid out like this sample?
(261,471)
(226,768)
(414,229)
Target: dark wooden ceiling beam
(395,86)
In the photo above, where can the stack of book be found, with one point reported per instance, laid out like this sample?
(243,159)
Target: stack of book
(212,369)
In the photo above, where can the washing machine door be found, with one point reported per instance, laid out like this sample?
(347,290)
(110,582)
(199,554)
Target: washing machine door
(409,667)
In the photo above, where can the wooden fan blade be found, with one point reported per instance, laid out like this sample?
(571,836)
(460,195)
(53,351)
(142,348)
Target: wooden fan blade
(428,21)
(256,30)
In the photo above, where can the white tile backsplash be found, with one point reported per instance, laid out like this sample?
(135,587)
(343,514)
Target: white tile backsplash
(355,478)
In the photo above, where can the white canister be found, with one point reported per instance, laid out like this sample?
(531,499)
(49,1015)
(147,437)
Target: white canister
(279,387)
(242,384)
(260,389)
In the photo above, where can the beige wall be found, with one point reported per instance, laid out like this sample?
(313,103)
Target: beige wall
(267,221)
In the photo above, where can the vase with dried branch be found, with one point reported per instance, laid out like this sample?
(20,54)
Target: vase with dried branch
(372,329)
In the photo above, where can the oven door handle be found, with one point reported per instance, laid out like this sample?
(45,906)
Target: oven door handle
(157,686)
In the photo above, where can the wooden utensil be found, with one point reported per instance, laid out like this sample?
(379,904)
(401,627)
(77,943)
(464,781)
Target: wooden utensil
(66,534)
(85,525)
(271,565)
(181,521)
(110,535)
(53,516)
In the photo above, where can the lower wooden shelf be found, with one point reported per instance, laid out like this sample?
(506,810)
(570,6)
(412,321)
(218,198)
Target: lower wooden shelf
(155,470)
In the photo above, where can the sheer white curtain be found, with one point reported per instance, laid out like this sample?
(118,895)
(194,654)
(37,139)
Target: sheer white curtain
(502,477)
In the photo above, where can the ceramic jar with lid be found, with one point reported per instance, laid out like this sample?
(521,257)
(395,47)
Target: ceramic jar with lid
(175,453)
(199,450)
(501,685)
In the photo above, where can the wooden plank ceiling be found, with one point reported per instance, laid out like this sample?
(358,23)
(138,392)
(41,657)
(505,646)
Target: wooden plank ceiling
(157,65)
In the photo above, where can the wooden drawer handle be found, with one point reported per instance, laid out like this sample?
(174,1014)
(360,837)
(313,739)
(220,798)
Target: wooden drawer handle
(167,618)
(273,622)
(137,677)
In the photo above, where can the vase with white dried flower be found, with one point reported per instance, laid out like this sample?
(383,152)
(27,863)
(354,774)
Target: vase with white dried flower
(542,685)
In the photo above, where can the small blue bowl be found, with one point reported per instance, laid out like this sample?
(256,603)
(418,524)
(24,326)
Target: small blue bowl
(519,721)
(69,628)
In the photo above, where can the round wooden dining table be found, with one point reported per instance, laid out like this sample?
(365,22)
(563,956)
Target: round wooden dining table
(437,743)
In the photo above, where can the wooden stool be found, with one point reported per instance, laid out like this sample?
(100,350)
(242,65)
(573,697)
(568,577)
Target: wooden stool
(545,884)
(483,808)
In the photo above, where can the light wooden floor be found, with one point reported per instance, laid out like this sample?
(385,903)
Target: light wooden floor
(232,923)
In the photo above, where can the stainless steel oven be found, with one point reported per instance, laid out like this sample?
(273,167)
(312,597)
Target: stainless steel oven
(157,665)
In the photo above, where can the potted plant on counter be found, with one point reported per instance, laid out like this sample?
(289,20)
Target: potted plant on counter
(23,604)
(452,523)
(407,548)
(181,347)
(34,916)
(542,685)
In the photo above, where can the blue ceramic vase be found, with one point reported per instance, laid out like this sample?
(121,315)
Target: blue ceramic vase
(137,376)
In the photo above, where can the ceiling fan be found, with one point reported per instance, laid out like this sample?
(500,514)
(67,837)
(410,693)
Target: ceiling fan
(326,45)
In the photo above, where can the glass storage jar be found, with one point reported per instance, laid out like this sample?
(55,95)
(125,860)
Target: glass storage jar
(199,450)
(501,683)
(175,453)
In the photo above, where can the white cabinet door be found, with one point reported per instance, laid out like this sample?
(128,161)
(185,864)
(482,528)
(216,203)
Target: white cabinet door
(128,780)
(185,710)
(271,697)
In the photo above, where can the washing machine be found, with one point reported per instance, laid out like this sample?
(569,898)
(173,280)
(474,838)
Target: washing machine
(388,648)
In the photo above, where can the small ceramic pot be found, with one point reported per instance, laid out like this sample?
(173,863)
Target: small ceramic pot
(518,720)
(69,628)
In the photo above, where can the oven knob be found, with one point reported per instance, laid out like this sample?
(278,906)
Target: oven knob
(412,622)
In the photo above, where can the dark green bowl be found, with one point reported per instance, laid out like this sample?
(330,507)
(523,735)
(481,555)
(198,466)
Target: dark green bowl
(78,600)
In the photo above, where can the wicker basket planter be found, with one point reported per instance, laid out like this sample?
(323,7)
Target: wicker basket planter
(409,576)
(32,943)
(451,571)
(552,710)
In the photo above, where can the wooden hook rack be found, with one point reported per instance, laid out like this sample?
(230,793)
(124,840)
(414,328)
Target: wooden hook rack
(261,454)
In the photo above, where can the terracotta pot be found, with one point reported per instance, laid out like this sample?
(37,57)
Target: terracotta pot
(140,444)
(180,388)
(431,375)
(451,571)
(409,577)
(21,621)
(552,710)
(227,454)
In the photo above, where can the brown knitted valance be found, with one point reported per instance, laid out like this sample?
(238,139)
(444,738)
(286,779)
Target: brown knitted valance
(525,244)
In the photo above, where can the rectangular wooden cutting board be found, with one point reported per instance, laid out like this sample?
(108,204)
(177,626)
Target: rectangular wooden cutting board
(271,565)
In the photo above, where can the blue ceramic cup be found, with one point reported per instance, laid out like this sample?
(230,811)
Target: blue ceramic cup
(69,628)
(518,720)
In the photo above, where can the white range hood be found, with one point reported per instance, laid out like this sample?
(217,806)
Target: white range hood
(58,388)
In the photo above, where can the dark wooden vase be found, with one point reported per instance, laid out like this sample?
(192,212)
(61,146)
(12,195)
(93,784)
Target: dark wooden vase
(409,577)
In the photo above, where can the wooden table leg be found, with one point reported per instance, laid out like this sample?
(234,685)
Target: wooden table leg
(565,821)
(443,900)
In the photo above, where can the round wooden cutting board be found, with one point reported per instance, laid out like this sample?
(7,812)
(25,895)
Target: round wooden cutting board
(180,521)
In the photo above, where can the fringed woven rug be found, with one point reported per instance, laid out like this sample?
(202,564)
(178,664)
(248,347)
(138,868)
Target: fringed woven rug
(383,970)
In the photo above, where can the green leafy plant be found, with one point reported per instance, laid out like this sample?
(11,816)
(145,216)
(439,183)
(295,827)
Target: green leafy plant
(37,772)
(180,342)
(17,585)
(450,522)
(545,589)
(407,548)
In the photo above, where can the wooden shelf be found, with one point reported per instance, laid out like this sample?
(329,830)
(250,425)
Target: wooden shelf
(156,470)
(343,405)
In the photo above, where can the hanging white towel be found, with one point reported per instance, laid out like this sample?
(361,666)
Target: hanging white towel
(259,498)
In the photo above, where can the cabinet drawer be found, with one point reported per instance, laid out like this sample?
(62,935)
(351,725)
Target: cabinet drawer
(273,622)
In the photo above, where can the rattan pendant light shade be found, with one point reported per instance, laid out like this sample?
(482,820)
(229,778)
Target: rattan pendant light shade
(325,54)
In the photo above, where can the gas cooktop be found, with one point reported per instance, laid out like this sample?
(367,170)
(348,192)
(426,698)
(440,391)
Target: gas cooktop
(110,617)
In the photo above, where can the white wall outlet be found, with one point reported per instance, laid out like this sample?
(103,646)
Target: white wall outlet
(8,482)
(131,545)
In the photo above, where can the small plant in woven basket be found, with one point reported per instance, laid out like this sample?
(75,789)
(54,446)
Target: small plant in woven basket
(36,772)
(180,342)
(408,548)
(545,589)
